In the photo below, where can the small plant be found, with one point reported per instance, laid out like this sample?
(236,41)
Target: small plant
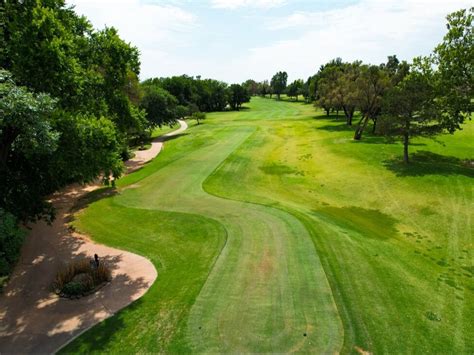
(80,278)
(433,316)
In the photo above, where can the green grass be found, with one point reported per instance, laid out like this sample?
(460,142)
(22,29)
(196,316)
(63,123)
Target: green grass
(269,224)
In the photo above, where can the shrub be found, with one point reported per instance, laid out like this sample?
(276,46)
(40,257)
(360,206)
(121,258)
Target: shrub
(81,277)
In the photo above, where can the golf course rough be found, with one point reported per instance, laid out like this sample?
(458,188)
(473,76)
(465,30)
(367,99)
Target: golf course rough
(273,232)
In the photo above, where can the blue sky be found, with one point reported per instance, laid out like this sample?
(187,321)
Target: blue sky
(234,40)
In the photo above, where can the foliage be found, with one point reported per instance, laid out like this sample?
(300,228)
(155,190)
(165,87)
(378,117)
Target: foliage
(251,86)
(455,60)
(410,108)
(371,85)
(295,89)
(87,145)
(11,239)
(198,116)
(207,94)
(27,140)
(160,106)
(237,95)
(278,83)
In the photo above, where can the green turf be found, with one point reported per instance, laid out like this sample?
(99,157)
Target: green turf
(271,223)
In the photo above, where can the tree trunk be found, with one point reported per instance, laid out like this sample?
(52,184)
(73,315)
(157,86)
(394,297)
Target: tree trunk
(346,112)
(375,126)
(405,148)
(360,128)
(327,111)
(406,141)
(349,114)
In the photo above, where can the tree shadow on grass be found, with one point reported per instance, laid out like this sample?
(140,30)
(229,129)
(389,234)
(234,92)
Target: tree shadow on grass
(170,138)
(428,163)
(331,118)
(336,128)
(89,198)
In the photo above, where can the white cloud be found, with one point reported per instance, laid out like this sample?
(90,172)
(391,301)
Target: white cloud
(234,4)
(173,41)
(154,28)
(369,30)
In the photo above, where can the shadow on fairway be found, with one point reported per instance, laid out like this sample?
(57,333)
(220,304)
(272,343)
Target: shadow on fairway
(91,197)
(428,163)
(170,138)
(342,127)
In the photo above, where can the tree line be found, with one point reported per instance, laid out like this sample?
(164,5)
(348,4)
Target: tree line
(429,96)
(71,104)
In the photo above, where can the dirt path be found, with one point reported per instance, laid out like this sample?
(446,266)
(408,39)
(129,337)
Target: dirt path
(35,320)
(143,156)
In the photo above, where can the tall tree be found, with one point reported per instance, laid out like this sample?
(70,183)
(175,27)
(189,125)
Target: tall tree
(455,60)
(410,108)
(237,95)
(371,85)
(159,105)
(295,89)
(278,83)
(251,86)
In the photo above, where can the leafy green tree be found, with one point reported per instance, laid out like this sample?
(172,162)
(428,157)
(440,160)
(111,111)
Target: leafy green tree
(43,149)
(251,86)
(26,138)
(87,146)
(455,61)
(313,88)
(159,105)
(410,108)
(264,88)
(278,83)
(237,95)
(346,89)
(295,89)
(371,85)
(198,116)
(182,112)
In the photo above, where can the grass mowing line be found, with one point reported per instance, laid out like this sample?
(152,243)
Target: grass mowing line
(388,287)
(268,256)
(385,284)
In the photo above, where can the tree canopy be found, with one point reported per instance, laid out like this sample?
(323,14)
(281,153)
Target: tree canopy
(278,83)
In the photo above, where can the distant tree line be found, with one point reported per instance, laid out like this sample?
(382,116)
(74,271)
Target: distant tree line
(401,100)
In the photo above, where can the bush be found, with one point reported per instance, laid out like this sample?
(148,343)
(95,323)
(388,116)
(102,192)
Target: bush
(80,277)
(11,240)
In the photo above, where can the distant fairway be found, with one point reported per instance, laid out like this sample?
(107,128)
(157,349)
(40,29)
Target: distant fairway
(273,231)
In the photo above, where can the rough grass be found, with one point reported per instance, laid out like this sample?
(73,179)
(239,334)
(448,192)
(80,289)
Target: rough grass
(270,224)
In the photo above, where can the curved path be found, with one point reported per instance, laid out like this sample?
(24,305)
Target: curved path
(143,156)
(35,320)
(267,291)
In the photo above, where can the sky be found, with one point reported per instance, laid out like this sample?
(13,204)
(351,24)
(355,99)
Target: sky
(236,40)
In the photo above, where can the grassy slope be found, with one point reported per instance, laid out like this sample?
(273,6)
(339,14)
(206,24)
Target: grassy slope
(395,243)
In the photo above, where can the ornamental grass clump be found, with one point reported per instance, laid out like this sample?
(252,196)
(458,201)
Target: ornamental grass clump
(80,278)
